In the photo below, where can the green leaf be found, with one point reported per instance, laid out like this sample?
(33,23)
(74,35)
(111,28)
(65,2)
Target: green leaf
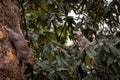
(100,54)
(65,53)
(89,54)
(84,68)
(106,48)
(78,25)
(51,73)
(59,19)
(54,62)
(65,62)
(110,60)
(59,61)
(115,51)
(93,52)
(114,68)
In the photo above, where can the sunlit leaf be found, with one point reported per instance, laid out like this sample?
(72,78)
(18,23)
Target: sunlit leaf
(51,57)
(87,61)
(62,69)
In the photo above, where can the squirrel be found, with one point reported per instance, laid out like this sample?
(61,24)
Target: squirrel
(21,47)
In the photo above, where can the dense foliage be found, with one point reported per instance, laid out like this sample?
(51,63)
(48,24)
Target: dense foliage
(47,25)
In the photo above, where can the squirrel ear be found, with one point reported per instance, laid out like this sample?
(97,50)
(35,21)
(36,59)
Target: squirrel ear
(6,29)
(31,59)
(31,56)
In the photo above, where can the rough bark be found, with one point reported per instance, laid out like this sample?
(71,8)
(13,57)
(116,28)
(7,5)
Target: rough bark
(9,17)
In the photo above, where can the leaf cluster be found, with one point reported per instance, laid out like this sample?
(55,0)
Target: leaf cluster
(47,25)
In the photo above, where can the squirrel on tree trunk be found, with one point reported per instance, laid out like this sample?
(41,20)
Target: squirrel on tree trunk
(21,47)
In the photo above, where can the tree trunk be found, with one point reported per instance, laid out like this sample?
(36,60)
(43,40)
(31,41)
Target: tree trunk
(10,18)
